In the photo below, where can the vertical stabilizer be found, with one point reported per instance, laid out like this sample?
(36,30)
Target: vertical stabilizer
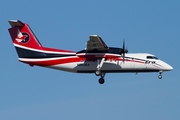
(24,40)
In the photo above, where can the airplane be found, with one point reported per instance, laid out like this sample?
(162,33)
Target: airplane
(97,58)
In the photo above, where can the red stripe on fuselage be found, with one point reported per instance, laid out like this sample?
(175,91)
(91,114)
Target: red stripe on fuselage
(98,56)
(156,66)
(139,61)
(53,62)
(47,62)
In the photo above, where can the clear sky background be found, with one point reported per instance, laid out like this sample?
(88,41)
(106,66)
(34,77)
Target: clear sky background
(36,93)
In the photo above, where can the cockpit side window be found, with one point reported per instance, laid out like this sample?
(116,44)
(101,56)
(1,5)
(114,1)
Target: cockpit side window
(156,58)
(152,57)
(149,57)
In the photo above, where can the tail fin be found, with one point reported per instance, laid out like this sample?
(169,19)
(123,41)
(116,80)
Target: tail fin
(24,40)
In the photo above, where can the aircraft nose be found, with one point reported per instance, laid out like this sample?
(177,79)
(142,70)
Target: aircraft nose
(168,67)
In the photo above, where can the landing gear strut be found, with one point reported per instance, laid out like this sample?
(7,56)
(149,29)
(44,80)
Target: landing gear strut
(160,76)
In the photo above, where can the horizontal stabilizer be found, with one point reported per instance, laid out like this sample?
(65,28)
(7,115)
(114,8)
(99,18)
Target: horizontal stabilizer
(15,23)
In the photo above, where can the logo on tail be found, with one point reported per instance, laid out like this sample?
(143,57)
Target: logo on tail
(22,37)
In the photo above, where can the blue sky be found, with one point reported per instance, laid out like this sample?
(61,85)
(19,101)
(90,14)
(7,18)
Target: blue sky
(150,26)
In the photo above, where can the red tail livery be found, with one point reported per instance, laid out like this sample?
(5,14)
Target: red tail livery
(24,40)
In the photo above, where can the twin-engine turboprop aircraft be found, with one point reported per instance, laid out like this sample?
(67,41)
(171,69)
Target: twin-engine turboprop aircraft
(97,58)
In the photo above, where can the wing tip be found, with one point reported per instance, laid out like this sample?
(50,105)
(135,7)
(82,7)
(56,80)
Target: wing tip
(94,36)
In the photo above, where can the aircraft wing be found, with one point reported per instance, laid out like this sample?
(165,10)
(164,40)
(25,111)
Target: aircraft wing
(96,43)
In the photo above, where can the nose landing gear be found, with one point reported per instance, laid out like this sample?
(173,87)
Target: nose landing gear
(160,76)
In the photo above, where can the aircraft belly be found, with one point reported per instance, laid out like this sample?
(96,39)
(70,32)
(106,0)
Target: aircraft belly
(91,67)
(69,67)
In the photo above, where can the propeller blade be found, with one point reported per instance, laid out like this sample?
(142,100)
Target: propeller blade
(123,49)
(123,45)
(123,56)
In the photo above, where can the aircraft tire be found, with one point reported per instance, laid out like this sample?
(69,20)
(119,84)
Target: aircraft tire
(98,72)
(101,81)
(160,76)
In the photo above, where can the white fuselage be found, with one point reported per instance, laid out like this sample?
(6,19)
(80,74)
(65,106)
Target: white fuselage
(132,63)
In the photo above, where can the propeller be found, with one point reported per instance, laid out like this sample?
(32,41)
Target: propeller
(124,50)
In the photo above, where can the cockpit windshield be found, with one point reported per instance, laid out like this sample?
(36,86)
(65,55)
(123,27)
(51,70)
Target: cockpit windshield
(152,57)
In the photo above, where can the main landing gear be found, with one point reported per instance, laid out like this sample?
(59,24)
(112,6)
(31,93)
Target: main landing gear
(101,80)
(160,76)
(99,73)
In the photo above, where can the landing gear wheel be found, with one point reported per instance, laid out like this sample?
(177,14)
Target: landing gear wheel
(101,80)
(98,72)
(160,76)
